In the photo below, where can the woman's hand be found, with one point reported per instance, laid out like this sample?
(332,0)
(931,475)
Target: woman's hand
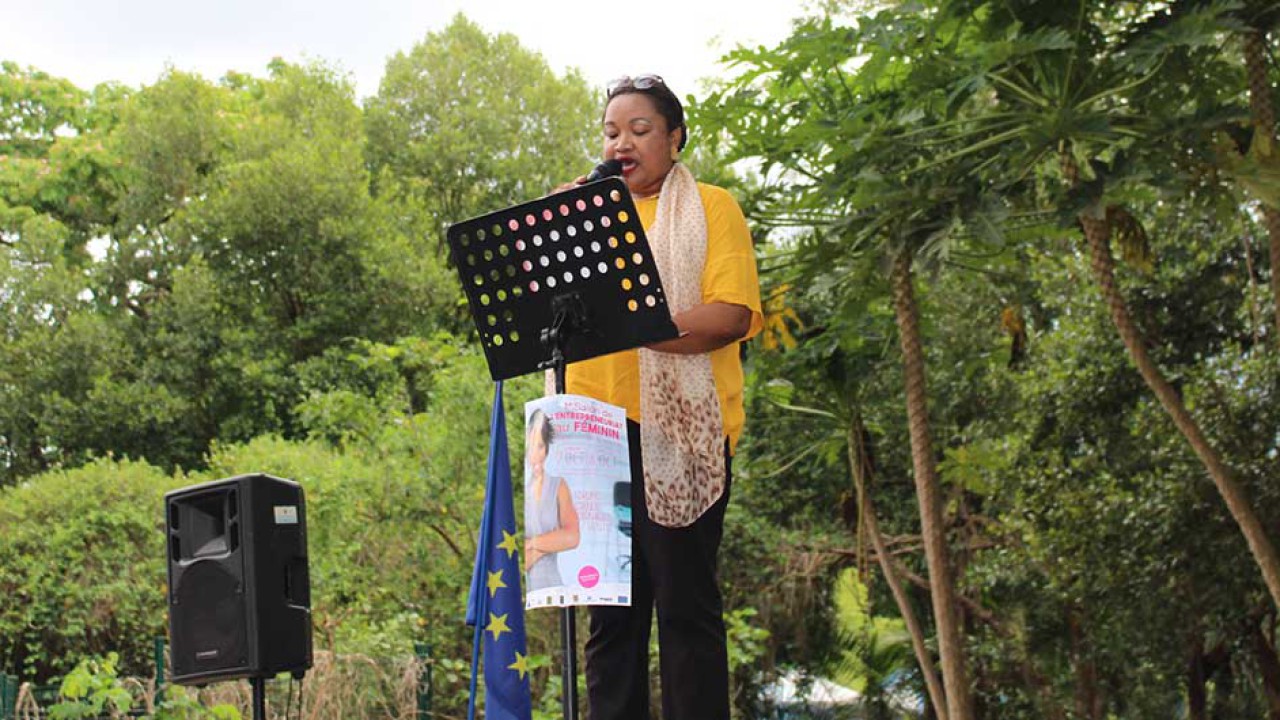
(531,553)
(707,327)
(565,537)
(569,185)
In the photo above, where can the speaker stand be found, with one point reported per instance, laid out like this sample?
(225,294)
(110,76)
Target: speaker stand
(259,686)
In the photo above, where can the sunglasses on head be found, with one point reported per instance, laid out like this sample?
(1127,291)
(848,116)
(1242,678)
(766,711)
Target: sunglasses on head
(639,82)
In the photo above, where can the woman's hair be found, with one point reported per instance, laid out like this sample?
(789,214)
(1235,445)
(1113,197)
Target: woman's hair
(664,100)
(544,429)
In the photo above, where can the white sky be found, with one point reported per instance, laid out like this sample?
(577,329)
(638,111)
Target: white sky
(132,41)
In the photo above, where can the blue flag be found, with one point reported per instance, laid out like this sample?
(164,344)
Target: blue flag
(495,606)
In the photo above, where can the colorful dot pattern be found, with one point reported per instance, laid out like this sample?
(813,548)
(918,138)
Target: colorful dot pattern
(514,261)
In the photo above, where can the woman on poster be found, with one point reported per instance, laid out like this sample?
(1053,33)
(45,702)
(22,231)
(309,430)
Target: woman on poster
(551,522)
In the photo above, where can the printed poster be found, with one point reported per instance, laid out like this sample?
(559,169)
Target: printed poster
(577,516)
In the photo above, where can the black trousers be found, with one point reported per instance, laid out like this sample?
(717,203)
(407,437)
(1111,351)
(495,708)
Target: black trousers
(674,569)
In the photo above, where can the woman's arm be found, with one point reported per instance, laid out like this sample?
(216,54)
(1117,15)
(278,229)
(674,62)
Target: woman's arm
(707,327)
(565,537)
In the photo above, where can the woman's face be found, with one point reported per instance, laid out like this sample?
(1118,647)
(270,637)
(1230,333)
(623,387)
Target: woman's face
(637,134)
(537,450)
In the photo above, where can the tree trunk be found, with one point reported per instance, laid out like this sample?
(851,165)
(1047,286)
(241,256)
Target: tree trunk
(1219,677)
(1269,668)
(1050,707)
(860,466)
(1255,311)
(35,451)
(1089,703)
(1097,234)
(1264,122)
(928,495)
(1197,678)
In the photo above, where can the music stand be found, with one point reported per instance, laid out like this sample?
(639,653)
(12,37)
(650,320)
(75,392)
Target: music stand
(560,279)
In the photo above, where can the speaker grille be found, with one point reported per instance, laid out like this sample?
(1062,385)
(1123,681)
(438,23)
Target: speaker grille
(212,620)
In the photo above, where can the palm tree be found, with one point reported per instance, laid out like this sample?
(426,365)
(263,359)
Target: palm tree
(1259,18)
(835,426)
(928,490)
(1070,104)
(845,139)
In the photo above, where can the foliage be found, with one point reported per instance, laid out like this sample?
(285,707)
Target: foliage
(942,127)
(92,689)
(179,704)
(82,567)
(176,259)
(204,278)
(877,655)
(247,275)
(469,123)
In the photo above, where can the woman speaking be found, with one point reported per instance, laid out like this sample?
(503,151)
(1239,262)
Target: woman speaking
(683,399)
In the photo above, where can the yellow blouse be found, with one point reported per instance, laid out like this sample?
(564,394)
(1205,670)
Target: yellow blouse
(729,276)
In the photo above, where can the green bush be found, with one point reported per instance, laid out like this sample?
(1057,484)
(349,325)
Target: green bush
(94,687)
(82,569)
(91,689)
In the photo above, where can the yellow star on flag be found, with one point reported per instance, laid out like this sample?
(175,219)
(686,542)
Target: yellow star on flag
(495,582)
(521,665)
(497,625)
(508,543)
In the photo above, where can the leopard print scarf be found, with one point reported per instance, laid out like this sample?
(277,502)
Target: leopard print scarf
(682,434)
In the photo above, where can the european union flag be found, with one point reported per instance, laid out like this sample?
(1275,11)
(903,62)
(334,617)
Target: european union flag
(496,606)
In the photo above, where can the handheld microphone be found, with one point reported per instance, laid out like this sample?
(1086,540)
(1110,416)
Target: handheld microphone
(608,168)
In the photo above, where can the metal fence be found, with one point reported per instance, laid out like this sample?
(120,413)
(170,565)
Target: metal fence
(8,695)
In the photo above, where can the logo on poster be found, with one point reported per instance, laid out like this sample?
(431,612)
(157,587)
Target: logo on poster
(588,576)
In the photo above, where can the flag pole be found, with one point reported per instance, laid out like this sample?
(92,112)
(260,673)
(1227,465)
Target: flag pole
(482,560)
(475,663)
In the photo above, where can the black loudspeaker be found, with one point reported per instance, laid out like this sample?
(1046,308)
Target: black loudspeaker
(239,589)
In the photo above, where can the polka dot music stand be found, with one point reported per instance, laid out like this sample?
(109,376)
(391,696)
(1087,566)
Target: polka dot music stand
(560,279)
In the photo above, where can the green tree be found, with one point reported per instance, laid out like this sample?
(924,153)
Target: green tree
(1075,112)
(1259,19)
(836,133)
(34,108)
(899,128)
(471,123)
